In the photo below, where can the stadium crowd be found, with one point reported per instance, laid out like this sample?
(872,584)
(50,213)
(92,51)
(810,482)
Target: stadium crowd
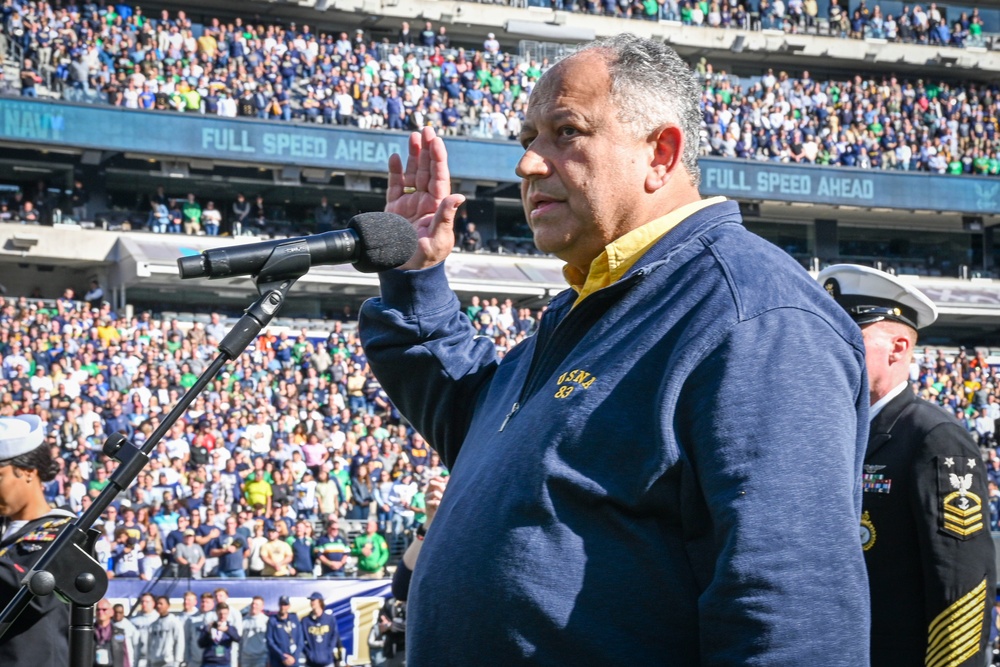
(292,462)
(278,466)
(291,73)
(867,123)
(914,26)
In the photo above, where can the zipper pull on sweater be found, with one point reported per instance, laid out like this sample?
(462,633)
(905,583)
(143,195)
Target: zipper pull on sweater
(506,420)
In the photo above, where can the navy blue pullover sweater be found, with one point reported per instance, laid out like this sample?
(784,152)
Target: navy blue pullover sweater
(668,473)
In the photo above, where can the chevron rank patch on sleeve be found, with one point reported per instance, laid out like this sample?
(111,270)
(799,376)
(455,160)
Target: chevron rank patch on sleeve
(955,634)
(961,509)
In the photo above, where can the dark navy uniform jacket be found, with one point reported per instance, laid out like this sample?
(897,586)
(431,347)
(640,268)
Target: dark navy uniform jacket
(40,635)
(926,538)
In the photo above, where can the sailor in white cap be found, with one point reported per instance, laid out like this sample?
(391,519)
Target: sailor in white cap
(40,634)
(925,513)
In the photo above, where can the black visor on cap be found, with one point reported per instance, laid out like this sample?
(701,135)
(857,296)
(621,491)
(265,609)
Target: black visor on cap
(867,309)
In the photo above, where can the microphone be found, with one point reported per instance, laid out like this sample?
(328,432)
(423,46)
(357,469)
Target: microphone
(372,242)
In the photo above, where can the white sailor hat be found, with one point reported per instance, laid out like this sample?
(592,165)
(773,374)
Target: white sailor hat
(869,295)
(19,435)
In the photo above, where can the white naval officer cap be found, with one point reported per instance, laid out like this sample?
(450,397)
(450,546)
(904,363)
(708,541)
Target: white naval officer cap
(19,435)
(869,295)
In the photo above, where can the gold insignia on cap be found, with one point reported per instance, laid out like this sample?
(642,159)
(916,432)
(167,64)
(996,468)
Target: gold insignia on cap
(867,532)
(897,312)
(953,637)
(832,287)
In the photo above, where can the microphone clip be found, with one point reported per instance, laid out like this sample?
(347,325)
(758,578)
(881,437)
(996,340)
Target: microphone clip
(288,261)
(258,315)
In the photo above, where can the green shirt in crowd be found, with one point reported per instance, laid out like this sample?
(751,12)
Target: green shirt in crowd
(378,557)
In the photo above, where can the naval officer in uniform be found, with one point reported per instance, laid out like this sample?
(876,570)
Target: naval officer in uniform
(925,511)
(40,636)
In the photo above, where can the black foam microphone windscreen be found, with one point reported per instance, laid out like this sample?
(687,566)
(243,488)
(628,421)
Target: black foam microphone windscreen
(387,241)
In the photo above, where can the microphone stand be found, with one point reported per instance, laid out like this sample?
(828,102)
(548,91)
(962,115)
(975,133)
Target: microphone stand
(68,566)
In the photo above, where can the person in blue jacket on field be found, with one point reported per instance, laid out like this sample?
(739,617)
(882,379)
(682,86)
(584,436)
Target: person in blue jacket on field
(217,638)
(319,632)
(284,636)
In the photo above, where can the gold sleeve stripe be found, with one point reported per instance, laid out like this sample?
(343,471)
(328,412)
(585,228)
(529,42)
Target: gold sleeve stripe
(946,616)
(954,636)
(963,644)
(960,612)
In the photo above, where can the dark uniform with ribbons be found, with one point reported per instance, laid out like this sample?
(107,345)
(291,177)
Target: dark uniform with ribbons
(925,532)
(40,635)
(925,511)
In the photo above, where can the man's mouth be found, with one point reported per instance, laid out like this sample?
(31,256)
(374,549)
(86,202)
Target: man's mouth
(541,204)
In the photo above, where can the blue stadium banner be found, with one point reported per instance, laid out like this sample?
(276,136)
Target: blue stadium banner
(254,141)
(841,186)
(355,602)
(274,143)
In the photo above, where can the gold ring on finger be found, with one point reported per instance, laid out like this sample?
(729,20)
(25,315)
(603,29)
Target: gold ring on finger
(409,190)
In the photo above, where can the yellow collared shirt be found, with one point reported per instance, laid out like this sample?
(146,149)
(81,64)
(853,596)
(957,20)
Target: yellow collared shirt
(621,254)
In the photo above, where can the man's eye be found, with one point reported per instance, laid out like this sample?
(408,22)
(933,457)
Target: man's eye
(567,131)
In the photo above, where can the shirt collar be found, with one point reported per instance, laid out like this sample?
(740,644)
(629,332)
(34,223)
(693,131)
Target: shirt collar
(882,402)
(621,254)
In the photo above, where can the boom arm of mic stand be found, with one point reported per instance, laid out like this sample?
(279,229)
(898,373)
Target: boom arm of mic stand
(68,566)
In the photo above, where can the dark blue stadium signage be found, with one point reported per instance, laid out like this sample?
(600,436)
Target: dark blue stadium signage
(961,296)
(33,122)
(265,143)
(769,181)
(296,144)
(173,134)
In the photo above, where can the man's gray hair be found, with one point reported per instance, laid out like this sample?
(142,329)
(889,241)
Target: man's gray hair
(651,86)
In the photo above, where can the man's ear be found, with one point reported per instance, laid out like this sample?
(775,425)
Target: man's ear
(901,347)
(667,143)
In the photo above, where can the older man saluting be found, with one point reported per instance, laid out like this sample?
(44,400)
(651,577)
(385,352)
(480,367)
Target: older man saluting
(668,471)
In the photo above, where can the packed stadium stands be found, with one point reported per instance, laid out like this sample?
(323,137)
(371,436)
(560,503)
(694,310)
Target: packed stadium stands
(467,84)
(282,438)
(272,71)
